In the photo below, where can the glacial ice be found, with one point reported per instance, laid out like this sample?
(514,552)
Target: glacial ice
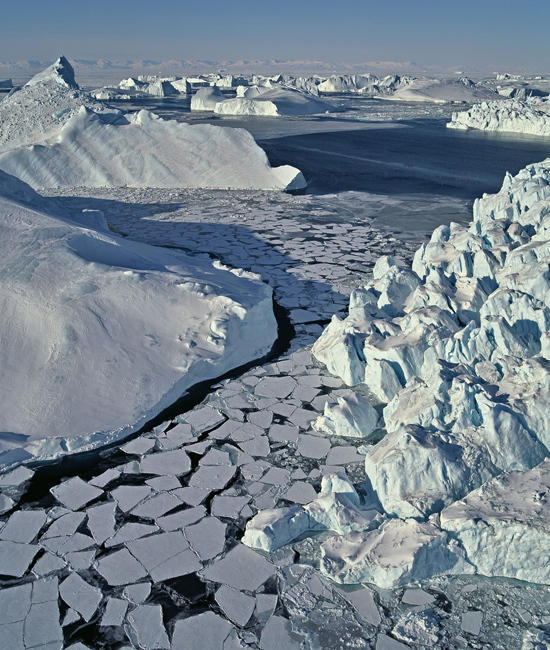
(55,135)
(272,102)
(457,351)
(530,116)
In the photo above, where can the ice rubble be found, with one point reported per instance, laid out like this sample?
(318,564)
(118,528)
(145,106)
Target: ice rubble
(458,350)
(530,116)
(54,135)
(88,315)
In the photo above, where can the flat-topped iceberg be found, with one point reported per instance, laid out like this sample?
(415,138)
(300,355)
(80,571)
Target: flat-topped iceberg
(271,101)
(441,91)
(99,333)
(530,116)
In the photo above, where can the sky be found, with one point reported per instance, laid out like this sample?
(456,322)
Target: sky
(480,34)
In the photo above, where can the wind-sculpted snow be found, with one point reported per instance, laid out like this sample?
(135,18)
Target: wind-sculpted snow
(530,116)
(100,333)
(54,135)
(457,349)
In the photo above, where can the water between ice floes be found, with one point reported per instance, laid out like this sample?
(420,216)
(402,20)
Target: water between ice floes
(397,160)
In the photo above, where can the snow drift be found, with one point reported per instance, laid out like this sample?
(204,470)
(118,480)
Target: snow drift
(99,333)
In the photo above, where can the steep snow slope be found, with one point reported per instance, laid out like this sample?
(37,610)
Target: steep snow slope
(99,333)
(531,116)
(37,111)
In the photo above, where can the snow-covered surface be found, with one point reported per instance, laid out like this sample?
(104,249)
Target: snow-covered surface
(88,315)
(147,151)
(36,112)
(462,90)
(530,116)
(276,101)
(54,135)
(253,434)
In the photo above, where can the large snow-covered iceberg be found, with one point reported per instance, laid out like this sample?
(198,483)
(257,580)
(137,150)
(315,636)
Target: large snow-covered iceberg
(440,91)
(144,150)
(272,102)
(530,116)
(457,351)
(100,333)
(54,135)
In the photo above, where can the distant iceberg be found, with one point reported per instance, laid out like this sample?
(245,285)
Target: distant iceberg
(530,116)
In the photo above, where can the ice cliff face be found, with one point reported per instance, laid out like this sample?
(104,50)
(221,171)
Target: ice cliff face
(457,351)
(529,116)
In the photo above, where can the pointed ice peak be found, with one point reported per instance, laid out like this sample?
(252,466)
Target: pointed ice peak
(61,72)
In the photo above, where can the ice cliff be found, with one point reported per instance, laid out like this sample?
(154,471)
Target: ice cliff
(456,354)
(530,116)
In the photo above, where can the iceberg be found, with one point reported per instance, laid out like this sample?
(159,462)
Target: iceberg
(456,353)
(272,102)
(205,99)
(529,116)
(54,135)
(144,150)
(440,91)
(88,315)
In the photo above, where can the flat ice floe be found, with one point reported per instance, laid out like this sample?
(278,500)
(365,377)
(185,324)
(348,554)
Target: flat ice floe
(54,135)
(458,350)
(100,333)
(530,116)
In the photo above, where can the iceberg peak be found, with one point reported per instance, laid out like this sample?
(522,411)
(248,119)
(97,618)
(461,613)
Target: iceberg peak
(61,71)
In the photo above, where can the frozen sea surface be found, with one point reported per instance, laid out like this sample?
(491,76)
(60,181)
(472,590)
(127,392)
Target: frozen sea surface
(172,568)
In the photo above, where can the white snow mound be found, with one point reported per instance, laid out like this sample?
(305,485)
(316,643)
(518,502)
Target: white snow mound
(100,333)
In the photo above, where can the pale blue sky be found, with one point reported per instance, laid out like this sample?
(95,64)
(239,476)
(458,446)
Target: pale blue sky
(481,33)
